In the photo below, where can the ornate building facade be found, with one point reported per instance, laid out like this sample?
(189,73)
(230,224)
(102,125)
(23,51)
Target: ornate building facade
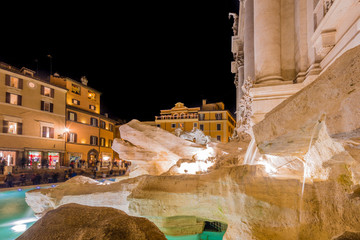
(212,118)
(282,46)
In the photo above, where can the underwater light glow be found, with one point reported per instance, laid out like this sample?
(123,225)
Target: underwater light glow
(19,228)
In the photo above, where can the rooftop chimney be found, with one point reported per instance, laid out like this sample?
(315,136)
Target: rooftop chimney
(204,102)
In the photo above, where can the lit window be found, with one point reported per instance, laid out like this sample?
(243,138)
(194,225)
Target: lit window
(72,137)
(47,91)
(195,125)
(91,95)
(93,140)
(102,142)
(12,127)
(13,99)
(72,116)
(47,132)
(93,122)
(201,116)
(92,107)
(75,89)
(47,106)
(75,101)
(14,82)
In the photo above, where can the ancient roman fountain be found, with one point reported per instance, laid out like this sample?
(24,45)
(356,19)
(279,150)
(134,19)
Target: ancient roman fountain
(295,176)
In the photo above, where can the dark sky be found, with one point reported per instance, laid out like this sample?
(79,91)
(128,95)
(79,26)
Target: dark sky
(143,56)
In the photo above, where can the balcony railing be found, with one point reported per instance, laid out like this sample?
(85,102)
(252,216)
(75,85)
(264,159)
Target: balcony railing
(183,116)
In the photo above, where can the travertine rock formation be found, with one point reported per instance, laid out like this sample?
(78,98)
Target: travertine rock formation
(252,203)
(78,222)
(152,150)
(304,186)
(195,135)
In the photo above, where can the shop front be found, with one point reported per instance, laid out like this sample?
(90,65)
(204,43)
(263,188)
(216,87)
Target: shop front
(9,157)
(105,159)
(34,158)
(53,159)
(74,157)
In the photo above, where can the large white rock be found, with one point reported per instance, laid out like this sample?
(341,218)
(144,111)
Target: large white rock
(152,150)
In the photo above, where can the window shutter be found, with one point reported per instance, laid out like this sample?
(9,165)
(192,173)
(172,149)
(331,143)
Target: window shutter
(75,137)
(44,131)
(19,100)
(42,105)
(42,90)
(52,93)
(75,117)
(7,100)
(5,126)
(19,128)
(96,141)
(21,83)
(7,80)
(91,140)
(68,137)
(51,132)
(51,107)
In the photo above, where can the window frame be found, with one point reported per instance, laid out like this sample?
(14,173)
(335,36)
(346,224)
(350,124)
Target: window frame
(8,99)
(92,139)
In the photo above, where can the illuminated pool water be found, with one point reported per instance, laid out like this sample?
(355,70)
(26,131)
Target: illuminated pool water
(206,235)
(16,216)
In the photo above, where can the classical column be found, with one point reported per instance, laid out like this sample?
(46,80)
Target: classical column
(267,41)
(249,68)
(239,93)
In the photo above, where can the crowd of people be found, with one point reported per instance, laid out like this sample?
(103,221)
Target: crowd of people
(45,175)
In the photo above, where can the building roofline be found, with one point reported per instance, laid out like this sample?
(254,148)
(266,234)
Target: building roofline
(79,83)
(12,69)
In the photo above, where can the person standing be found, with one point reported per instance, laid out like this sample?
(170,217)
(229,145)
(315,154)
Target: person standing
(23,162)
(2,165)
(9,180)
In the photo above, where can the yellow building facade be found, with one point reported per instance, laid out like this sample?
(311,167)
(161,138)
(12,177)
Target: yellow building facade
(32,118)
(89,135)
(212,119)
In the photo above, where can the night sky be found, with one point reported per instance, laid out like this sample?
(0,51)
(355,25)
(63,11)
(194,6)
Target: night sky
(143,56)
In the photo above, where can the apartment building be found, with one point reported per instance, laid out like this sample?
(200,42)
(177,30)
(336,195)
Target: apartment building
(32,118)
(89,135)
(212,118)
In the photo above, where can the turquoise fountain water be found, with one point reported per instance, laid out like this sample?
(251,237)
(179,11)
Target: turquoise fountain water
(16,216)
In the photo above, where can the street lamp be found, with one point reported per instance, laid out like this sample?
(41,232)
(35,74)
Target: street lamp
(66,131)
